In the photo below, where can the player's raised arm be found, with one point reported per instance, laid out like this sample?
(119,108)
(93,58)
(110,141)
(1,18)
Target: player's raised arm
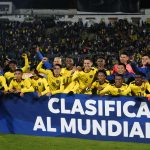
(47,65)
(26,66)
(39,67)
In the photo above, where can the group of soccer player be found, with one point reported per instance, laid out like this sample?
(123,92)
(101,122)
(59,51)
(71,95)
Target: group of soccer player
(125,78)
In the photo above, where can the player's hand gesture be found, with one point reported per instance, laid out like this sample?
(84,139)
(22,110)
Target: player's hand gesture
(24,55)
(45,59)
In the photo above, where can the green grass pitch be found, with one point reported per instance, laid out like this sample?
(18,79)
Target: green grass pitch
(22,142)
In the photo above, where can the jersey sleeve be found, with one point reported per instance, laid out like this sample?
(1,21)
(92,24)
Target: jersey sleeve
(11,85)
(127,91)
(26,66)
(40,69)
(106,90)
(148,86)
(3,81)
(27,87)
(47,65)
(46,86)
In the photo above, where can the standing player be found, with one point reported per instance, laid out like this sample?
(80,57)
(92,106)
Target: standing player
(101,63)
(86,76)
(124,58)
(99,84)
(53,76)
(117,88)
(13,66)
(47,65)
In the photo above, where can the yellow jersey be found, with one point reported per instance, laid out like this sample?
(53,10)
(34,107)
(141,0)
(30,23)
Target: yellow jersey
(113,90)
(10,75)
(98,87)
(3,83)
(40,85)
(24,86)
(138,90)
(53,82)
(84,79)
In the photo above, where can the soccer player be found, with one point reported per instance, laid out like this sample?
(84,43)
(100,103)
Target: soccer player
(19,85)
(101,63)
(128,77)
(53,76)
(86,76)
(99,84)
(3,85)
(40,84)
(13,66)
(144,68)
(138,87)
(124,58)
(47,65)
(115,89)
(67,83)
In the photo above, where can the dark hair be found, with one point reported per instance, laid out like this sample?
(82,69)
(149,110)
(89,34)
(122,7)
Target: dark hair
(58,65)
(88,58)
(100,57)
(19,70)
(121,64)
(102,71)
(120,75)
(13,62)
(124,53)
(70,57)
(146,54)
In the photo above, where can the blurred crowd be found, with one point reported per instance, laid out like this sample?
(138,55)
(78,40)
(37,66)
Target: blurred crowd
(73,39)
(50,57)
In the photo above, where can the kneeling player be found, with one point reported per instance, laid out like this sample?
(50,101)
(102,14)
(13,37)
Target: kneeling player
(117,88)
(99,84)
(138,87)
(19,85)
(40,84)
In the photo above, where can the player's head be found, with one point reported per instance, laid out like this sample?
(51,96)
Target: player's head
(101,76)
(124,58)
(12,65)
(18,74)
(57,60)
(138,79)
(57,69)
(100,61)
(121,68)
(145,59)
(69,62)
(119,80)
(36,75)
(87,64)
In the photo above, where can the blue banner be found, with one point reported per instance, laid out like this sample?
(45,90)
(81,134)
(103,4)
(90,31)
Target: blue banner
(77,116)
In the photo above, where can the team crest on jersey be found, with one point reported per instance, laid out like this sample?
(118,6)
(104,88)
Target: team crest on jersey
(39,83)
(57,81)
(142,89)
(91,76)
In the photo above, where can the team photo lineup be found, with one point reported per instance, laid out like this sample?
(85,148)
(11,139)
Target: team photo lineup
(49,57)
